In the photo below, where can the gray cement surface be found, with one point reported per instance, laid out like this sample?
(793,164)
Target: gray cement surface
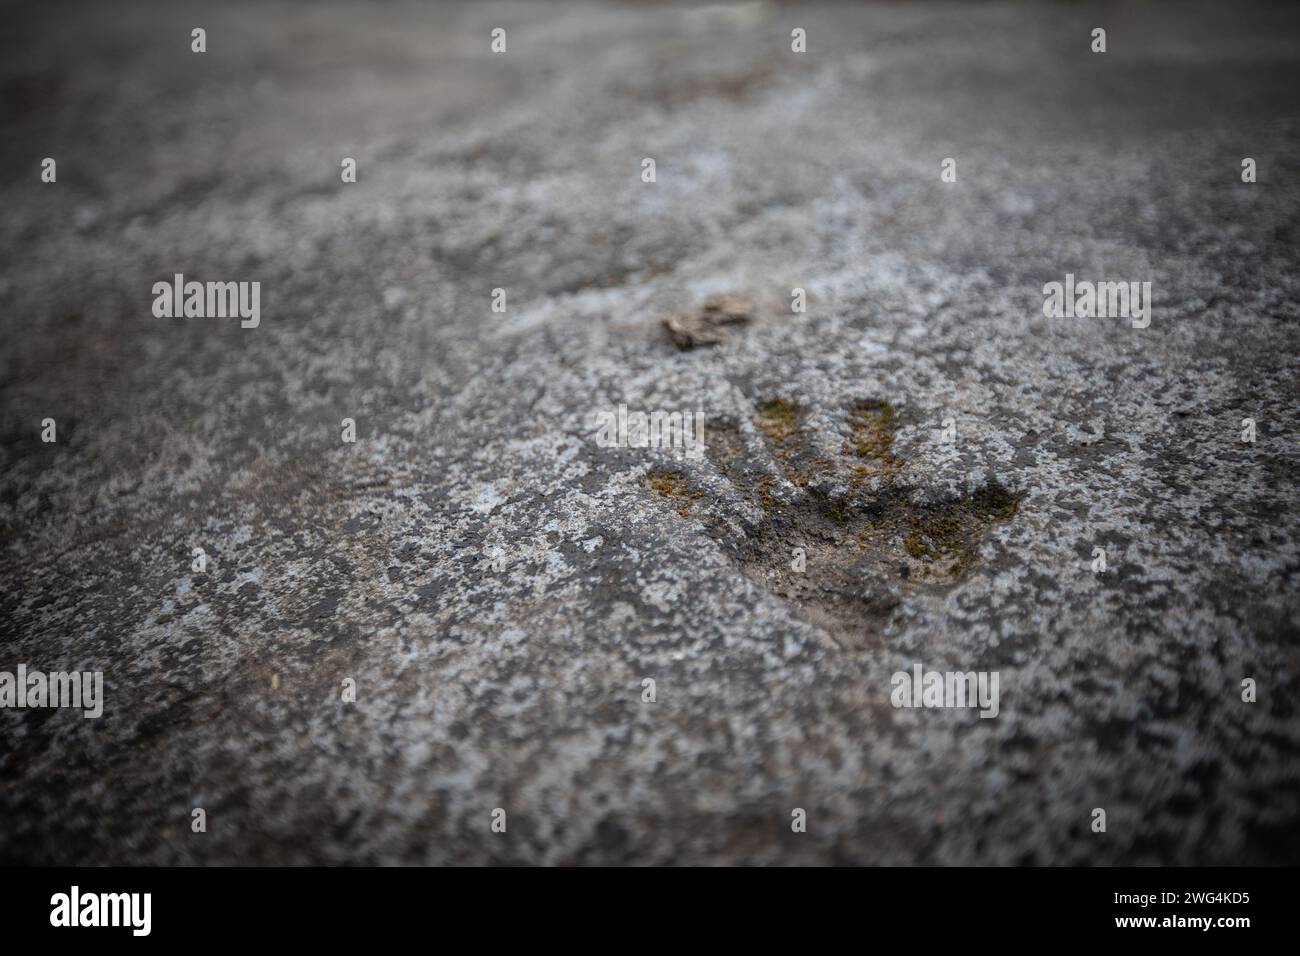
(498,585)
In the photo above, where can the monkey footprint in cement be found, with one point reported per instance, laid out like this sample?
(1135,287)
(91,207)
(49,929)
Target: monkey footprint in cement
(841,537)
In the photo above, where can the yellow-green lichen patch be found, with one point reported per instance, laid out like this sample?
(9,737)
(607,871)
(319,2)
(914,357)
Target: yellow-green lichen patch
(766,499)
(777,419)
(949,534)
(917,546)
(838,510)
(672,484)
(871,437)
(864,534)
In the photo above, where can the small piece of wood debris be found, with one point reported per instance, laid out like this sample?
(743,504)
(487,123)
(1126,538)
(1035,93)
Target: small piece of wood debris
(707,324)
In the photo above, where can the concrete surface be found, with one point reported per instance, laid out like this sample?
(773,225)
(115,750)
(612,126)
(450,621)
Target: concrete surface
(498,585)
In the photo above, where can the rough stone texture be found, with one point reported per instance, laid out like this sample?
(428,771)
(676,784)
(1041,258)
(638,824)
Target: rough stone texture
(497,584)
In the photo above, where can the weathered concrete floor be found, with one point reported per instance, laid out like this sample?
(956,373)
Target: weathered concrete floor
(520,687)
